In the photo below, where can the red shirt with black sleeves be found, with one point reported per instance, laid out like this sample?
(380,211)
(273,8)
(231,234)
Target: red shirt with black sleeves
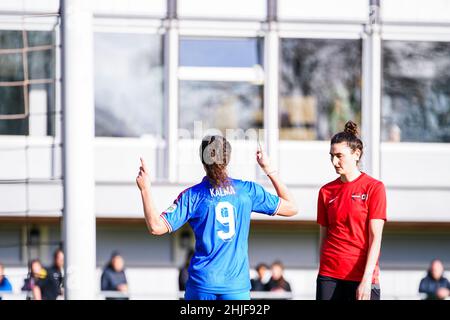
(345,208)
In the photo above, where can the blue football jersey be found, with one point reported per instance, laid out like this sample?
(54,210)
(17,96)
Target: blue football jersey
(220,219)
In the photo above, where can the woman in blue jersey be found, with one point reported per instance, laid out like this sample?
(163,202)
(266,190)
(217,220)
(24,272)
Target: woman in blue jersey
(218,210)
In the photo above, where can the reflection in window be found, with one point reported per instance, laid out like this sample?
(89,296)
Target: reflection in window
(12,103)
(225,52)
(128,85)
(416,91)
(220,105)
(320,87)
(12,67)
(27,109)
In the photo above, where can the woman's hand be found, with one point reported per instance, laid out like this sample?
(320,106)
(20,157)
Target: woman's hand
(143,178)
(287,205)
(263,160)
(364,290)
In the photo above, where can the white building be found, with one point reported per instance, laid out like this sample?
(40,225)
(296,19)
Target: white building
(299,71)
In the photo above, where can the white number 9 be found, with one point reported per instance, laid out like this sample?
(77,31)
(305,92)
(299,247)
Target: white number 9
(225,215)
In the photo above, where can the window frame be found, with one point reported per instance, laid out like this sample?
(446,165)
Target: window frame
(44,22)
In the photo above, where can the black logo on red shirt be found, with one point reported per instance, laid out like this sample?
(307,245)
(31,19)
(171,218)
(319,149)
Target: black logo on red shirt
(359,196)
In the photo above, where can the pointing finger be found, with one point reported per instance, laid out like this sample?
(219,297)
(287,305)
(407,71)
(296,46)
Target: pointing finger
(143,164)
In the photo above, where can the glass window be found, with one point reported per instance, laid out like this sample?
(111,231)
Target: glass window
(18,101)
(416,91)
(223,52)
(39,38)
(11,67)
(320,87)
(11,39)
(128,85)
(220,105)
(40,64)
(12,103)
(10,244)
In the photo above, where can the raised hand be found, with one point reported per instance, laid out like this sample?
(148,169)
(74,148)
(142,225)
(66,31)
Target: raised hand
(263,160)
(143,178)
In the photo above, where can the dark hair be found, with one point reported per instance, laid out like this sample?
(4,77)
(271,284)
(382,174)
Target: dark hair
(30,265)
(431,265)
(282,281)
(260,266)
(57,251)
(215,152)
(33,261)
(278,263)
(114,254)
(350,136)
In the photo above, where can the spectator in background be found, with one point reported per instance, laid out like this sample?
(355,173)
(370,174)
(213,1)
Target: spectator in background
(113,277)
(277,283)
(259,283)
(55,275)
(36,283)
(183,272)
(5,285)
(434,285)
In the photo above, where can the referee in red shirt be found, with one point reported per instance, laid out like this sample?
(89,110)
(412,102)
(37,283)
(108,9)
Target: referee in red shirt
(351,211)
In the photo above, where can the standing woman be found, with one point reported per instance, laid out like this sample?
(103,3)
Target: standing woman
(351,211)
(218,210)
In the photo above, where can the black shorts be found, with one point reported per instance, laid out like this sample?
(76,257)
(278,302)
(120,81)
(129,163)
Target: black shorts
(342,290)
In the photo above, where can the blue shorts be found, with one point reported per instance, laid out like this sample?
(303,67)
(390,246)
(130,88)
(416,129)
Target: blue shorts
(193,294)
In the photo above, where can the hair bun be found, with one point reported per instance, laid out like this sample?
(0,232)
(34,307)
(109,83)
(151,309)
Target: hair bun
(351,127)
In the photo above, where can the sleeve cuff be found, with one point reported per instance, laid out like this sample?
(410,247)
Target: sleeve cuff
(277,208)
(169,227)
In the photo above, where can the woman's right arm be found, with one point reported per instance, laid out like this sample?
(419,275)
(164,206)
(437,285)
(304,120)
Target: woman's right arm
(287,206)
(322,237)
(322,220)
(152,217)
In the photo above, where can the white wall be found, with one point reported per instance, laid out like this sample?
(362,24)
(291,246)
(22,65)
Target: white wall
(416,11)
(30,5)
(409,11)
(236,9)
(154,8)
(135,244)
(346,10)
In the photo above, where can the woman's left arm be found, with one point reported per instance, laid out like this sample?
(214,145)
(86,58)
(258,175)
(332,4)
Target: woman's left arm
(375,235)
